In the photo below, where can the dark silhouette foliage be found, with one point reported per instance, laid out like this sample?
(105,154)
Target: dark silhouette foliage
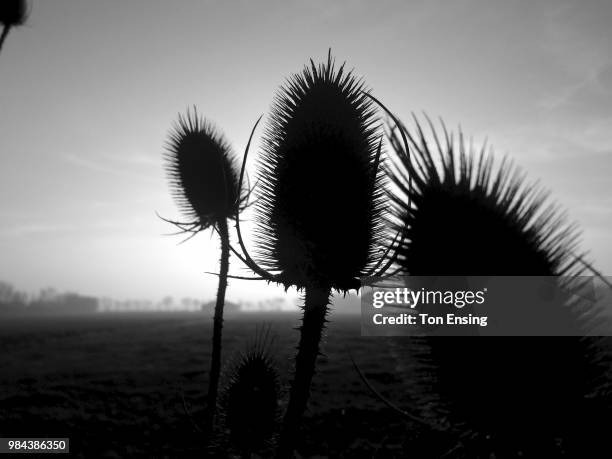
(205,182)
(251,398)
(320,211)
(13,13)
(467,217)
(460,215)
(203,171)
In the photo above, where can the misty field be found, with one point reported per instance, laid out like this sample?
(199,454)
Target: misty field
(114,383)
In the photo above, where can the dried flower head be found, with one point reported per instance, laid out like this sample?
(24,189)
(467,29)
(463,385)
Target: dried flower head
(464,216)
(320,207)
(460,215)
(203,172)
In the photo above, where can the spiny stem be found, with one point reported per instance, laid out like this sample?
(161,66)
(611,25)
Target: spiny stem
(215,365)
(313,322)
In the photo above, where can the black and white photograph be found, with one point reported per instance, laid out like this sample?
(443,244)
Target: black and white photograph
(306,229)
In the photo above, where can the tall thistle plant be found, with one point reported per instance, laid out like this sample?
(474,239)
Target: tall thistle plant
(204,177)
(461,215)
(320,209)
(13,13)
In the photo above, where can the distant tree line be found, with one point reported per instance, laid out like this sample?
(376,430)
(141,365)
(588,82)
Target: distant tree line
(11,297)
(48,300)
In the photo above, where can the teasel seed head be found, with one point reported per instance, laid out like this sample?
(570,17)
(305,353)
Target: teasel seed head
(202,171)
(320,209)
(460,215)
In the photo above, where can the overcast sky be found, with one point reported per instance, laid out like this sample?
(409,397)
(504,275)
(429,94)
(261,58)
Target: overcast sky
(88,90)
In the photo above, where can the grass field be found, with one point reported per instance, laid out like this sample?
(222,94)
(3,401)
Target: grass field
(114,383)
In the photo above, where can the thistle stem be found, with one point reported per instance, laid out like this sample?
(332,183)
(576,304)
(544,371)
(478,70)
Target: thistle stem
(5,31)
(215,364)
(313,322)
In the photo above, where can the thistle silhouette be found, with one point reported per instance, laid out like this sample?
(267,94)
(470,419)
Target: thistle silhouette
(203,176)
(320,205)
(250,400)
(13,13)
(462,216)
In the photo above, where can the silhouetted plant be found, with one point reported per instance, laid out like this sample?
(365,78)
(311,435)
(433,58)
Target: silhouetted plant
(13,13)
(203,175)
(250,400)
(320,209)
(462,216)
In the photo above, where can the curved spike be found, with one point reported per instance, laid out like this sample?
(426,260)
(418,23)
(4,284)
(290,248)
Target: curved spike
(246,152)
(238,254)
(177,223)
(595,271)
(403,134)
(196,427)
(191,236)
(379,262)
(377,160)
(247,197)
(368,281)
(387,402)
(392,260)
(177,233)
(229,276)
(247,258)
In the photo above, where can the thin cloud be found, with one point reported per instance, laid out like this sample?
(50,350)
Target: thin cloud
(105,168)
(37,229)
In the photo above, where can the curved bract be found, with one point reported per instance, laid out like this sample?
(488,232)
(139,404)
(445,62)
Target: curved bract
(203,171)
(468,217)
(320,207)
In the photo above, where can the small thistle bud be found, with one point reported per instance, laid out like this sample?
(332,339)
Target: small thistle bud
(251,399)
(320,206)
(202,170)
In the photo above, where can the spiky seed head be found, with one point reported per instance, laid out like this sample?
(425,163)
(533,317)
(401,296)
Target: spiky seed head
(13,13)
(202,171)
(466,217)
(251,398)
(320,205)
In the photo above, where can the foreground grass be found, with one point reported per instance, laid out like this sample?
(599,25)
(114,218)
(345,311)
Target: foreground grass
(114,383)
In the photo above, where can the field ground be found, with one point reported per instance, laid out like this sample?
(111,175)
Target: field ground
(114,383)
